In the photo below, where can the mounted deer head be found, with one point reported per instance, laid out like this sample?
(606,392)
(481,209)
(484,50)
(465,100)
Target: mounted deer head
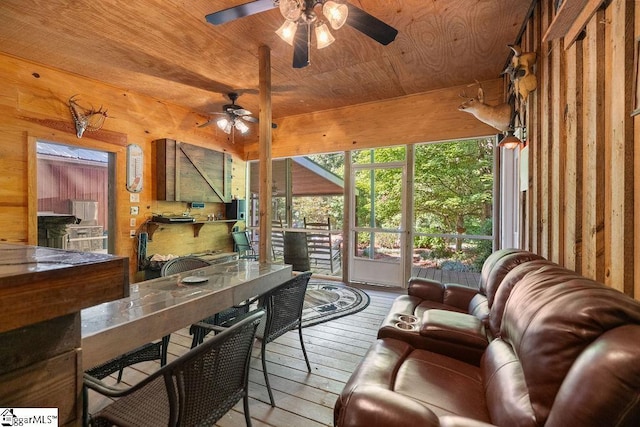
(497,116)
(86,119)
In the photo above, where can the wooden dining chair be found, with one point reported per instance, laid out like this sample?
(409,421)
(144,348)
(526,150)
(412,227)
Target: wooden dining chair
(197,388)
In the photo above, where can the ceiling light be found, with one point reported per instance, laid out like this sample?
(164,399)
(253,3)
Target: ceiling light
(291,9)
(241,126)
(323,36)
(287,31)
(224,124)
(335,13)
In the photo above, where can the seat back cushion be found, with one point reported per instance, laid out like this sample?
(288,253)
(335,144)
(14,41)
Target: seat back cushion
(502,293)
(488,266)
(602,386)
(502,267)
(550,318)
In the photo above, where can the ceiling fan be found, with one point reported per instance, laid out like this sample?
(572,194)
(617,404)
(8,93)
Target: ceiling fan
(233,116)
(300,17)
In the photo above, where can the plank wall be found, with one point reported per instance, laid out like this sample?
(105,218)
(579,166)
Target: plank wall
(583,180)
(33,106)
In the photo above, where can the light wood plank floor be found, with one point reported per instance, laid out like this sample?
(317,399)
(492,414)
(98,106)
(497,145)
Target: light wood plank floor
(302,399)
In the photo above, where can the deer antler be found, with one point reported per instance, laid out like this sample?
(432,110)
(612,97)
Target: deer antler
(86,118)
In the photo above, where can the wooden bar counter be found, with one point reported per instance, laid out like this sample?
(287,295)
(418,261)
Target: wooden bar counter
(42,291)
(161,306)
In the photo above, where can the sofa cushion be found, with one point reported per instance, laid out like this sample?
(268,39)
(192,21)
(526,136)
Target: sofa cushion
(439,383)
(456,328)
(504,291)
(551,317)
(602,386)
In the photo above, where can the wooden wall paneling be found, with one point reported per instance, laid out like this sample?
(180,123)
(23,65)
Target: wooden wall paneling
(619,194)
(593,157)
(34,108)
(533,130)
(546,144)
(572,118)
(636,166)
(558,153)
(528,44)
(433,116)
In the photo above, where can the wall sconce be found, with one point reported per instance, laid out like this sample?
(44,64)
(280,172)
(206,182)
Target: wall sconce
(510,141)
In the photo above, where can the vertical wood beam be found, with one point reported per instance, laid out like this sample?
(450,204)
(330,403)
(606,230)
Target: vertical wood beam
(546,147)
(533,130)
(558,154)
(528,45)
(573,170)
(266,172)
(636,167)
(619,195)
(593,156)
(32,189)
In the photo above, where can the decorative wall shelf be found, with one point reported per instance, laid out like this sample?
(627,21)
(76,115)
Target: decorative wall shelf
(152,227)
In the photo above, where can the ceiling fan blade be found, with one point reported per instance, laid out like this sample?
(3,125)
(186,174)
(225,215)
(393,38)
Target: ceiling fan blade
(370,25)
(301,46)
(239,11)
(241,112)
(207,123)
(250,119)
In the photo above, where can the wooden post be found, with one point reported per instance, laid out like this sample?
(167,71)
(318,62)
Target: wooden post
(266,173)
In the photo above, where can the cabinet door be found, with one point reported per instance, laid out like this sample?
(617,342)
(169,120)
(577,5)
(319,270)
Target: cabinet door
(189,173)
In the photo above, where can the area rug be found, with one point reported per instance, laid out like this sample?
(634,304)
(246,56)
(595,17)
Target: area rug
(326,300)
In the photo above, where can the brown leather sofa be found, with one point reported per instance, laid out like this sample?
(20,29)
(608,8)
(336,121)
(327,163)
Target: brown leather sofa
(567,354)
(453,319)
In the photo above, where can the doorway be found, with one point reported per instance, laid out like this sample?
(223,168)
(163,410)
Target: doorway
(75,199)
(377,220)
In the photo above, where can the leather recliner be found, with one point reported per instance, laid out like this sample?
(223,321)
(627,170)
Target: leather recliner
(431,315)
(567,354)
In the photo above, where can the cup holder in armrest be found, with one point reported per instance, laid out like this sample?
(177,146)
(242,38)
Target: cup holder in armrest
(407,318)
(406,326)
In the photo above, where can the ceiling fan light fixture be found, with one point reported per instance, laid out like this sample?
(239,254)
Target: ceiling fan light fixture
(291,9)
(241,126)
(287,31)
(323,36)
(225,125)
(222,123)
(335,13)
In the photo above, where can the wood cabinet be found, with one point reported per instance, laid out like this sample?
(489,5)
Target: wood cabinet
(42,291)
(190,173)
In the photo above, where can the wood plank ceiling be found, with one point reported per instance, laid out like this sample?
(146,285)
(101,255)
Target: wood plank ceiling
(166,50)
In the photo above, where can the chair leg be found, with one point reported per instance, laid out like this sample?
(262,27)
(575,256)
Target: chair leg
(304,351)
(165,345)
(266,376)
(245,402)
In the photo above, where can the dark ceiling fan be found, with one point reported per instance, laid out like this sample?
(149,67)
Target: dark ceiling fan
(233,116)
(301,14)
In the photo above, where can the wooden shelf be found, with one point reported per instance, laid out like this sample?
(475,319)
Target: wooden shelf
(152,226)
(570,20)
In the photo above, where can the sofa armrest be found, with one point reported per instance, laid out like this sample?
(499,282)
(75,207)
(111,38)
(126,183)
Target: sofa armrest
(371,406)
